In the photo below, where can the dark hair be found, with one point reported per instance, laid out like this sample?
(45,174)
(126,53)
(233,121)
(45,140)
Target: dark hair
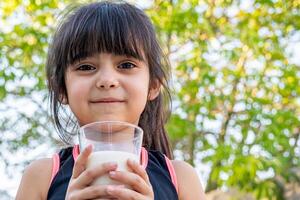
(118,28)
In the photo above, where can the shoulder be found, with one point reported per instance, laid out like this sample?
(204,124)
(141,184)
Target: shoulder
(188,181)
(35,180)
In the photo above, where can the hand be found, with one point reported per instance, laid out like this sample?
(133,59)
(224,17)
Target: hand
(79,185)
(138,180)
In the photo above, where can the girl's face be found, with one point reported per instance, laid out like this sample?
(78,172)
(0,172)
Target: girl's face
(108,87)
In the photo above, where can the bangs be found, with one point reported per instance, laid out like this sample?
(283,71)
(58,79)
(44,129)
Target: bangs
(98,28)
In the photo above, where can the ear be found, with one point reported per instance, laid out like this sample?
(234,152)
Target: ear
(154,90)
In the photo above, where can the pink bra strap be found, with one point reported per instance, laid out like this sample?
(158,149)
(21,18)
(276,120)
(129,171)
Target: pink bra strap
(75,151)
(144,157)
(172,172)
(55,168)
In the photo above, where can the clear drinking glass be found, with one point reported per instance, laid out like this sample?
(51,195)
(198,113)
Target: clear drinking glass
(113,141)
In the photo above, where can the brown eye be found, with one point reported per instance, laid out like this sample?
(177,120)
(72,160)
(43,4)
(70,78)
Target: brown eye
(126,65)
(85,67)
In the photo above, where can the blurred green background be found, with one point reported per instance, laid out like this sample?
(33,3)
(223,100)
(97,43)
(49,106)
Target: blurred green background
(235,85)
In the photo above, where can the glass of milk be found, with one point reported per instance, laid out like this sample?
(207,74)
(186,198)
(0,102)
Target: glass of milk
(113,141)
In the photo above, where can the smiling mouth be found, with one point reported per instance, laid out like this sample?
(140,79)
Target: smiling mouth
(108,101)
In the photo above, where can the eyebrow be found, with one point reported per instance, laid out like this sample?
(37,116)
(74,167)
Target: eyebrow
(82,56)
(129,57)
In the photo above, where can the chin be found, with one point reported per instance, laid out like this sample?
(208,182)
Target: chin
(118,119)
(108,118)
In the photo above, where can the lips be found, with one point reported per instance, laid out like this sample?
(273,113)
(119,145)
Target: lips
(108,100)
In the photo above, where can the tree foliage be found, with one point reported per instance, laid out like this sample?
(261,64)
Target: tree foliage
(236,85)
(237,89)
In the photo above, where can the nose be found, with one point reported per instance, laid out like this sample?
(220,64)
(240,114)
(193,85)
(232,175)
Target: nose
(107,79)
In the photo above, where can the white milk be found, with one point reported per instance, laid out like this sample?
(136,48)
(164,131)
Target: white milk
(100,157)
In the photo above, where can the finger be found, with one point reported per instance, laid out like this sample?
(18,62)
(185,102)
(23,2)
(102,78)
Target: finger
(90,174)
(139,170)
(123,193)
(80,163)
(132,180)
(94,192)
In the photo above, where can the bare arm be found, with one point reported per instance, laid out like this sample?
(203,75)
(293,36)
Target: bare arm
(189,184)
(35,181)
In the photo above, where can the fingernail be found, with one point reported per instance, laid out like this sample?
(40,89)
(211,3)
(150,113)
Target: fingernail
(89,147)
(112,173)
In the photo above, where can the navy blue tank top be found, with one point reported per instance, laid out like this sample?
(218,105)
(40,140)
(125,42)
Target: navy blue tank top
(157,169)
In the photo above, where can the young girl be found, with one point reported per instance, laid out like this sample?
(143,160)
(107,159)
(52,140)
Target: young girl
(105,64)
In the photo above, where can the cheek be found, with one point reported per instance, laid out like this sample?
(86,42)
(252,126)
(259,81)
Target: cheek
(141,87)
(140,94)
(76,90)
